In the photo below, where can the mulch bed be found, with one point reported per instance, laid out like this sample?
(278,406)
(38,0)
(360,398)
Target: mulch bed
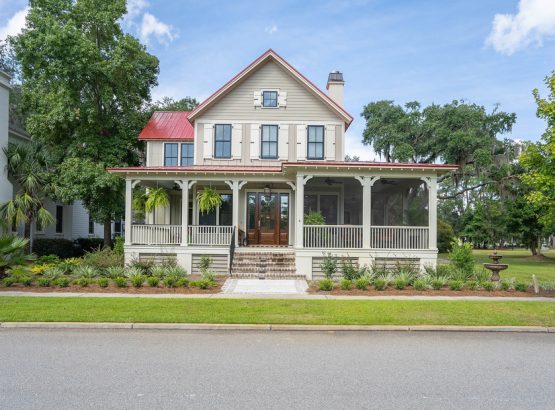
(94,288)
(313,289)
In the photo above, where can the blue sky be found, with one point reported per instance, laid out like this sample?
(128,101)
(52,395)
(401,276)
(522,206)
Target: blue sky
(425,50)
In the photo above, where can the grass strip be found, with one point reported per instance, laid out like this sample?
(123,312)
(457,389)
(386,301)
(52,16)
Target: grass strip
(277,311)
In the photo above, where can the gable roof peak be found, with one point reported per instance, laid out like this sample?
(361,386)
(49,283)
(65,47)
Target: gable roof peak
(270,53)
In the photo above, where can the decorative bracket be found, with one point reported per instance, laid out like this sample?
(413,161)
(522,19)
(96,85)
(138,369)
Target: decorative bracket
(191,183)
(291,184)
(306,178)
(181,184)
(135,183)
(427,180)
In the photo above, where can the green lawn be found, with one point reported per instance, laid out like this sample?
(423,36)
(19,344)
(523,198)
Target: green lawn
(274,311)
(521,265)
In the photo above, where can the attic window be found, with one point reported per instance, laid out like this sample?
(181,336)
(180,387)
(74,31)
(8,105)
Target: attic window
(270,99)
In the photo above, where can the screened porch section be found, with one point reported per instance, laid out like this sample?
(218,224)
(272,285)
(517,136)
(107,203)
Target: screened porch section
(398,214)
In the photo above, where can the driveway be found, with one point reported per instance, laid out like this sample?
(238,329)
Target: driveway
(63,369)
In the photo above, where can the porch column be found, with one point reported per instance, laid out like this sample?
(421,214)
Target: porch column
(431,183)
(128,213)
(367,183)
(184,184)
(299,209)
(235,188)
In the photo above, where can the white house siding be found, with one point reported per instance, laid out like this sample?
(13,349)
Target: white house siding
(6,188)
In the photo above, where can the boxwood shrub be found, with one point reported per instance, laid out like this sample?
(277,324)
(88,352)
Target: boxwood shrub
(63,248)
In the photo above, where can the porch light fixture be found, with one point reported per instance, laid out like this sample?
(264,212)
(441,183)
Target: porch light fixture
(267,191)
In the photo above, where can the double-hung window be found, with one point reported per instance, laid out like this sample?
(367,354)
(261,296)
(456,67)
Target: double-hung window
(269,142)
(59,219)
(222,141)
(170,154)
(187,156)
(269,99)
(315,142)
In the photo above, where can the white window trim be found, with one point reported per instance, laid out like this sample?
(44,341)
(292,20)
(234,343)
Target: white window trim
(178,153)
(262,98)
(180,149)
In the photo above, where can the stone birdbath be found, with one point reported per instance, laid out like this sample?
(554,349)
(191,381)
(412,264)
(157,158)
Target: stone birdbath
(495,267)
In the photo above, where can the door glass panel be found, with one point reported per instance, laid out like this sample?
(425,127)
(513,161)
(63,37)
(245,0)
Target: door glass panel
(267,213)
(251,209)
(328,208)
(284,213)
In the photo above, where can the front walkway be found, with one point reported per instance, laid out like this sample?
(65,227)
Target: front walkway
(264,287)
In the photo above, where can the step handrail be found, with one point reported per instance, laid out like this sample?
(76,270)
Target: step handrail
(231,250)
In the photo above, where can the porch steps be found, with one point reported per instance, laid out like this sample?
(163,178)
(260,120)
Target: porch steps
(264,265)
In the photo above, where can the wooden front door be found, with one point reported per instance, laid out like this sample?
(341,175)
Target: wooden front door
(268,218)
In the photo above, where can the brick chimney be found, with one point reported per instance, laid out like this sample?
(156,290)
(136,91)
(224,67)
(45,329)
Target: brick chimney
(335,87)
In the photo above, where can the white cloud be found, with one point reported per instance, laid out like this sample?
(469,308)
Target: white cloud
(151,26)
(271,29)
(534,21)
(135,7)
(14,25)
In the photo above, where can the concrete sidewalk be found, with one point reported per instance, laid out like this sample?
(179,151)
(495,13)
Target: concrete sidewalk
(275,327)
(271,296)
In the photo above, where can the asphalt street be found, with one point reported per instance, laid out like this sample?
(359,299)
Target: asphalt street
(147,369)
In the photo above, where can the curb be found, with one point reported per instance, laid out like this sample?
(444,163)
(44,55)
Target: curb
(276,327)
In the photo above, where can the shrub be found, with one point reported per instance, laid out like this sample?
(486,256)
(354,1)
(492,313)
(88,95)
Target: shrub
(67,266)
(445,236)
(44,282)
(133,271)
(350,271)
(204,263)
(314,218)
(158,270)
(103,282)
(362,283)
(456,284)
(521,287)
(346,284)
(83,281)
(62,282)
(62,248)
(460,275)
(153,281)
(26,280)
(103,258)
(326,285)
(53,273)
(119,241)
(471,285)
(209,275)
(548,287)
(204,284)
(482,276)
(400,283)
(183,282)
(405,275)
(48,260)
(9,281)
(88,245)
(169,281)
(507,284)
(86,271)
(461,257)
(489,286)
(145,266)
(329,266)
(137,281)
(420,284)
(115,271)
(380,284)
(438,283)
(121,282)
(12,253)
(440,271)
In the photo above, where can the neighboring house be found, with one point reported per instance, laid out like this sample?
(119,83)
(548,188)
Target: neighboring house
(72,221)
(273,145)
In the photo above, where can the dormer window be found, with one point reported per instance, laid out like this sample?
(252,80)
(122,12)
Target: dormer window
(269,98)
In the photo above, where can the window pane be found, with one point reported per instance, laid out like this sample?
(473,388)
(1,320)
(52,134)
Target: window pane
(170,155)
(187,156)
(91,225)
(269,98)
(251,206)
(59,219)
(269,141)
(222,144)
(284,213)
(208,218)
(310,203)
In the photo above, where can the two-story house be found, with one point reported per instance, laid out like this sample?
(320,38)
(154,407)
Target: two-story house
(273,145)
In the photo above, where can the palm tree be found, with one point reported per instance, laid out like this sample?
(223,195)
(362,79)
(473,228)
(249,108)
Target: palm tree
(28,167)
(12,253)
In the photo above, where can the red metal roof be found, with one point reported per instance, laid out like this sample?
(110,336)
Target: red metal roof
(168,125)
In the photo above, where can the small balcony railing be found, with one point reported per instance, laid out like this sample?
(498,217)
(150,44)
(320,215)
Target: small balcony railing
(333,236)
(399,237)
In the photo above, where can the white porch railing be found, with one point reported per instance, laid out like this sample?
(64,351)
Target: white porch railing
(210,235)
(399,237)
(333,236)
(156,234)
